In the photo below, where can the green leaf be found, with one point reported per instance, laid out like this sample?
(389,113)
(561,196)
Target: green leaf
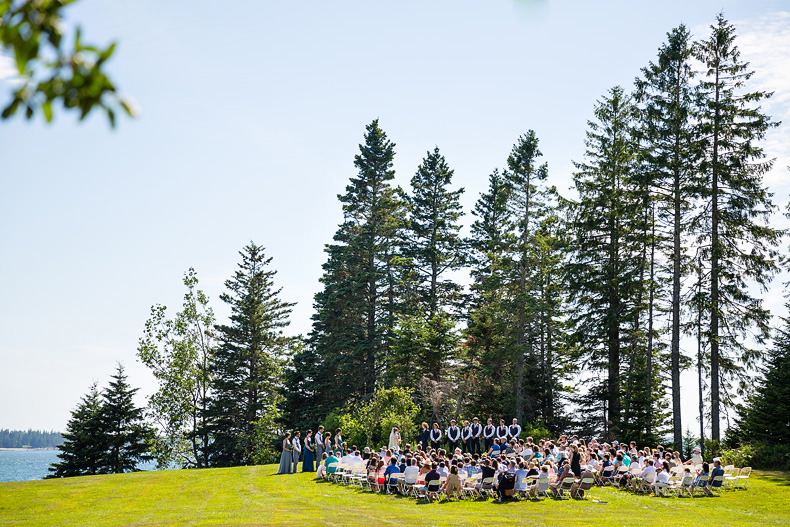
(47,109)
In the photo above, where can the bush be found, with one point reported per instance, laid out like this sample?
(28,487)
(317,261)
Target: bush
(758,455)
(536,431)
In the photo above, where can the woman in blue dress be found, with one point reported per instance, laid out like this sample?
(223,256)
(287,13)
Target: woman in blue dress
(286,457)
(308,453)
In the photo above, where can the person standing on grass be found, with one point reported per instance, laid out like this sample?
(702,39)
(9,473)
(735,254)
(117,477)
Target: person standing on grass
(319,443)
(297,450)
(286,457)
(307,459)
(339,442)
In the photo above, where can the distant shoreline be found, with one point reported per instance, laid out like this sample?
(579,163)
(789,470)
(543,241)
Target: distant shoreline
(24,449)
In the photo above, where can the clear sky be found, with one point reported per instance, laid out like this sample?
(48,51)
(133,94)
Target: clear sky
(251,114)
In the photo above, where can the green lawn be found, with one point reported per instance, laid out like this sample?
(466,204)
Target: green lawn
(255,496)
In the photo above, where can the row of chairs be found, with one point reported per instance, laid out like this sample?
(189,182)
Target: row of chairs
(680,484)
(474,487)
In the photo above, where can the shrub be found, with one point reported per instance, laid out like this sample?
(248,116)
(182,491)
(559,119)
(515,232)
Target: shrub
(536,431)
(758,455)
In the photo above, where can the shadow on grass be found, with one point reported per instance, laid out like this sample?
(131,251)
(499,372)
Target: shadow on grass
(780,478)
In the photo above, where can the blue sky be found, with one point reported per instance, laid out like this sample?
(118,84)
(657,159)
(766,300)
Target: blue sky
(251,113)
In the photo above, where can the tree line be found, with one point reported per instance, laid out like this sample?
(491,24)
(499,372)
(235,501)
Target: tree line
(29,438)
(575,309)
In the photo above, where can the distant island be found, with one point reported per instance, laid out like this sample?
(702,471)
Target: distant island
(29,439)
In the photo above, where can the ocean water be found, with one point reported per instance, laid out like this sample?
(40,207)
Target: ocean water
(27,465)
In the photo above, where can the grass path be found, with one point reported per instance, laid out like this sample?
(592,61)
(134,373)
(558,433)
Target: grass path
(256,496)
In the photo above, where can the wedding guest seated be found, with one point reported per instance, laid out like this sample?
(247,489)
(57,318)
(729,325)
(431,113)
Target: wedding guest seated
(586,473)
(495,448)
(321,472)
(543,477)
(662,479)
(453,483)
(390,470)
(696,458)
(565,473)
(328,462)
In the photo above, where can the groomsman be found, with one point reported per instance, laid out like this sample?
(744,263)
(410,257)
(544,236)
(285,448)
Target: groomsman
(436,436)
(514,430)
(477,431)
(488,434)
(502,432)
(425,436)
(297,450)
(453,435)
(319,443)
(466,437)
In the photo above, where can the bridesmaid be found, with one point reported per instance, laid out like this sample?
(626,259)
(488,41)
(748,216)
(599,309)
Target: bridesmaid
(307,455)
(328,443)
(286,458)
(339,441)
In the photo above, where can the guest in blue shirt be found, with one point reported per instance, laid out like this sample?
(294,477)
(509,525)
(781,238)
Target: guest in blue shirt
(391,469)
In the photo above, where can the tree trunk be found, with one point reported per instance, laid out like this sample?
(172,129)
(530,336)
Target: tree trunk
(714,276)
(676,270)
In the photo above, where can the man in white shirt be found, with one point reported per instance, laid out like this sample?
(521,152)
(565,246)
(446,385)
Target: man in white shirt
(662,479)
(514,430)
(648,475)
(696,459)
(319,443)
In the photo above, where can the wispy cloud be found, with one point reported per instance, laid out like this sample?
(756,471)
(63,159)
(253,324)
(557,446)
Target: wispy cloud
(765,43)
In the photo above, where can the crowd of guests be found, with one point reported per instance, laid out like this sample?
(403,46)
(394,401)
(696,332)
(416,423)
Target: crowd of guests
(458,453)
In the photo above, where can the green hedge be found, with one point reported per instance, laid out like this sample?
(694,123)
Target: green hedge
(758,455)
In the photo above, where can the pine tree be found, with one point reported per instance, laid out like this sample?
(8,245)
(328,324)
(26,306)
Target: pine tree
(84,441)
(766,415)
(425,340)
(356,311)
(128,438)
(603,270)
(738,206)
(488,322)
(434,244)
(248,363)
(670,154)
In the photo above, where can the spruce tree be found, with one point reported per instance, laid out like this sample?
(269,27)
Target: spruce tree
(737,206)
(488,324)
(357,308)
(128,438)
(603,269)
(434,244)
(527,206)
(84,441)
(425,341)
(670,156)
(766,415)
(249,360)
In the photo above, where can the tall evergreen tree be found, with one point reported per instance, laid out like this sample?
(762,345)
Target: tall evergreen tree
(527,206)
(84,441)
(128,438)
(739,238)
(248,363)
(488,319)
(434,244)
(670,154)
(357,308)
(425,340)
(603,270)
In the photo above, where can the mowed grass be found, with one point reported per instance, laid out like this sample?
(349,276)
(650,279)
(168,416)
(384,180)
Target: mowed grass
(256,496)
